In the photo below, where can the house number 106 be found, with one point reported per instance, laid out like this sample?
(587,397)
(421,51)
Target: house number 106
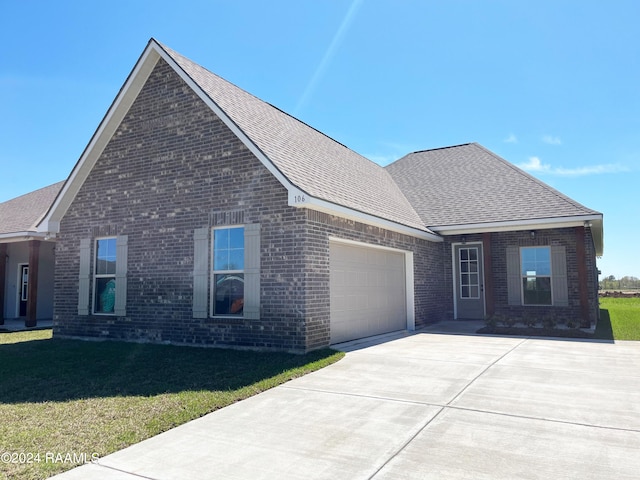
(299,199)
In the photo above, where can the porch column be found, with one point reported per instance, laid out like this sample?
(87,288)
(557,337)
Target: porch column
(488,275)
(583,290)
(32,289)
(3,278)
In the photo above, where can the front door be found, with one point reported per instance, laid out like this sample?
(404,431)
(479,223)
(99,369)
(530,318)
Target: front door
(23,275)
(469,281)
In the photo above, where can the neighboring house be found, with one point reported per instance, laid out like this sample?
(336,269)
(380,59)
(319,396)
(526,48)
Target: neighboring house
(26,258)
(199,214)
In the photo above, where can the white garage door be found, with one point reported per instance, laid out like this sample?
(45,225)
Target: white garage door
(368,292)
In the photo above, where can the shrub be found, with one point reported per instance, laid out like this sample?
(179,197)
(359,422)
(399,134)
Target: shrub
(490,321)
(549,321)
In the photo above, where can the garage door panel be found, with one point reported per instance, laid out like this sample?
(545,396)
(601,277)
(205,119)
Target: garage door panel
(368,291)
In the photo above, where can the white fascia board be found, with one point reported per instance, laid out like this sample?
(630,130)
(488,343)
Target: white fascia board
(300,199)
(100,139)
(510,226)
(22,236)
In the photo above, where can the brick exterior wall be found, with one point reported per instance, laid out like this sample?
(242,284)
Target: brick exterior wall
(171,167)
(561,236)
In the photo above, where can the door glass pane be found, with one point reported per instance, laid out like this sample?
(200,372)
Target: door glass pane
(469,272)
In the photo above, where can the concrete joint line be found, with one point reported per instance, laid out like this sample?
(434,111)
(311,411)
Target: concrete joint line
(358,395)
(406,444)
(125,471)
(543,419)
(472,381)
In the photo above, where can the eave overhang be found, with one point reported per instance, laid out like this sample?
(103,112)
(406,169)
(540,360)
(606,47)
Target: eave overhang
(593,221)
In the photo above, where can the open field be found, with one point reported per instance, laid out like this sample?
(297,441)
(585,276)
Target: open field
(64,401)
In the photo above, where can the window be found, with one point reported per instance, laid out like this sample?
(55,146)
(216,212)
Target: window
(104,284)
(536,275)
(469,276)
(228,271)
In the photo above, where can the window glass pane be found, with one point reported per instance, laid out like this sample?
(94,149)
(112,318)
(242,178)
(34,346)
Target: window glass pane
(221,259)
(536,261)
(228,249)
(464,254)
(543,261)
(236,237)
(473,279)
(464,267)
(221,239)
(537,290)
(464,292)
(105,295)
(473,254)
(106,256)
(228,294)
(236,260)
(464,279)
(474,292)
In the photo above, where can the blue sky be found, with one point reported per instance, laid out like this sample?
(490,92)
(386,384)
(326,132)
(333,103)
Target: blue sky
(552,86)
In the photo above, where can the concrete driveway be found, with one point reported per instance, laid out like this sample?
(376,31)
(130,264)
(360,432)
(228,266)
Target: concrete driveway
(421,406)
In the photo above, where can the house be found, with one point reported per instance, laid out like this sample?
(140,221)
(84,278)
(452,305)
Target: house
(26,258)
(199,214)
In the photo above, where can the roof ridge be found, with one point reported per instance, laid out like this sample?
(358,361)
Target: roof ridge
(442,148)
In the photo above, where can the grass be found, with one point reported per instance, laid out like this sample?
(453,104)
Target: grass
(619,319)
(66,398)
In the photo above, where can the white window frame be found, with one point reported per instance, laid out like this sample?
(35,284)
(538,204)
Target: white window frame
(214,272)
(549,276)
(97,276)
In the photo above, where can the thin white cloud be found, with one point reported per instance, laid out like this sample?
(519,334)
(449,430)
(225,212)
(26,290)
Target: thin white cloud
(328,55)
(511,139)
(535,165)
(551,140)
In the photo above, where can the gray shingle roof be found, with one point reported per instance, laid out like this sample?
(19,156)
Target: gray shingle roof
(310,160)
(21,214)
(468,184)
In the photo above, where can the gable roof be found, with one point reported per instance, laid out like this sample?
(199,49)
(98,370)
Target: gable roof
(318,172)
(310,160)
(453,190)
(20,216)
(466,187)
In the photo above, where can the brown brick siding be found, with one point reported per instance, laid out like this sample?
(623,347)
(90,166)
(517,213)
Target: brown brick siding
(561,236)
(172,166)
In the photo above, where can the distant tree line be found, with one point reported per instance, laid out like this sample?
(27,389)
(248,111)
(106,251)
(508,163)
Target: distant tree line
(624,283)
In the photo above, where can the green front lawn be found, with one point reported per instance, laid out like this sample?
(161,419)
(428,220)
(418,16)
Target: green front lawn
(619,319)
(66,398)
